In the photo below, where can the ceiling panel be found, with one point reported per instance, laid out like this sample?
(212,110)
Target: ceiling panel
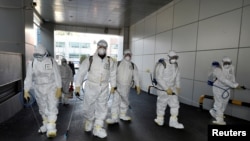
(100,13)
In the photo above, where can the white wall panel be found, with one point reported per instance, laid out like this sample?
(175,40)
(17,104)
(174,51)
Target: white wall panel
(241,112)
(165,20)
(201,88)
(186,11)
(163,42)
(132,47)
(245,28)
(138,49)
(246,2)
(148,63)
(139,30)
(132,33)
(149,45)
(186,64)
(220,31)
(146,81)
(138,61)
(150,25)
(242,96)
(185,95)
(212,7)
(184,38)
(204,60)
(243,67)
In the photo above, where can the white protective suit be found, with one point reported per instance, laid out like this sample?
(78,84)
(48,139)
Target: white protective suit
(126,73)
(167,78)
(225,79)
(44,76)
(67,77)
(101,73)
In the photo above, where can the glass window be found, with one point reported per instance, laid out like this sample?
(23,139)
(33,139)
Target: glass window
(60,44)
(73,55)
(114,46)
(74,44)
(84,45)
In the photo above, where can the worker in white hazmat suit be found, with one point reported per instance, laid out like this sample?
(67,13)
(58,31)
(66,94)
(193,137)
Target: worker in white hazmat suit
(223,81)
(127,73)
(101,71)
(67,77)
(44,76)
(168,80)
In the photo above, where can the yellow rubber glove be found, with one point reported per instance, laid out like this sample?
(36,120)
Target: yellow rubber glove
(169,91)
(58,92)
(138,89)
(178,90)
(112,91)
(26,96)
(238,87)
(77,91)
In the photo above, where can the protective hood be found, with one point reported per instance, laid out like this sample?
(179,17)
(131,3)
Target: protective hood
(40,50)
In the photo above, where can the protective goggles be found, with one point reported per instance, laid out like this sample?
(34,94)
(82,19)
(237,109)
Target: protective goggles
(173,57)
(101,47)
(216,64)
(37,55)
(127,54)
(101,44)
(227,63)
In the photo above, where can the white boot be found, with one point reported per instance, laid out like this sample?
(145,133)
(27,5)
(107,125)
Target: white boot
(159,120)
(173,122)
(99,131)
(43,128)
(111,121)
(51,130)
(219,121)
(212,113)
(88,125)
(124,117)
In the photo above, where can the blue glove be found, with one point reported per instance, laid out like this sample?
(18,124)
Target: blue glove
(210,83)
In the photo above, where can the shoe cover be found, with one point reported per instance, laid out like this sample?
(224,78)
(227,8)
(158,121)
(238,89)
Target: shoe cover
(111,121)
(125,117)
(219,121)
(99,132)
(175,124)
(51,134)
(51,130)
(212,113)
(42,129)
(88,125)
(159,121)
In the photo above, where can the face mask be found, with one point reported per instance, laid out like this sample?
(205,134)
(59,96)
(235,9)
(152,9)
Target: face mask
(63,63)
(101,51)
(173,61)
(127,58)
(226,66)
(40,59)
